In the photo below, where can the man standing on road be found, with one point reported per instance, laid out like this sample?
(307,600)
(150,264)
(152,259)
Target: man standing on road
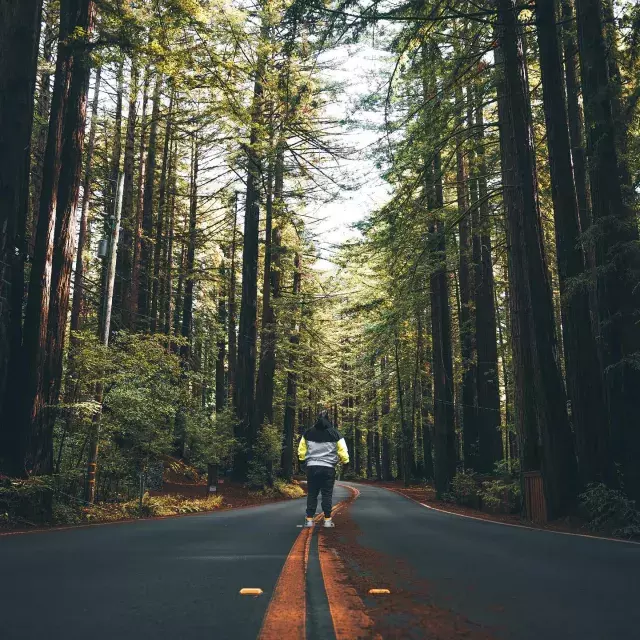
(321,447)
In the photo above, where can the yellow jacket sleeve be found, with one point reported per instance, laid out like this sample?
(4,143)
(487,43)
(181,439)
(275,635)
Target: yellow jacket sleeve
(343,452)
(302,450)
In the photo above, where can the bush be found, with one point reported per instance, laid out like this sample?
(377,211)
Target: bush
(499,495)
(611,511)
(464,488)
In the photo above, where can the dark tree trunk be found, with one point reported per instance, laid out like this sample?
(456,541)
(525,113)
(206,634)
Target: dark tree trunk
(77,304)
(584,381)
(444,421)
(125,254)
(221,390)
(187,308)
(574,113)
(43,106)
(168,283)
(488,394)
(146,246)
(244,393)
(292,378)
(466,315)
(404,462)
(134,295)
(232,338)
(270,295)
(82,14)
(160,221)
(541,404)
(19,39)
(617,251)
(426,402)
(387,472)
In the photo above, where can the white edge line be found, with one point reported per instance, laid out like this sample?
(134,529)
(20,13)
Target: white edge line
(509,524)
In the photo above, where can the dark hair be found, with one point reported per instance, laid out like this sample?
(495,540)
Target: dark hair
(323,421)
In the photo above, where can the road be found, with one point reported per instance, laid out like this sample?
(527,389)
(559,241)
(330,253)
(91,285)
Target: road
(180,577)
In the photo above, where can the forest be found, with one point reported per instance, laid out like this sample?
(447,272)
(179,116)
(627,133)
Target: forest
(164,289)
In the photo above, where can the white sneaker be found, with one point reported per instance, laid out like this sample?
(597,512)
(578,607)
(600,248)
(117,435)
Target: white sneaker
(328,523)
(308,523)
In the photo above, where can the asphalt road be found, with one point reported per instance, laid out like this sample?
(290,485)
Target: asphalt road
(517,583)
(176,578)
(180,577)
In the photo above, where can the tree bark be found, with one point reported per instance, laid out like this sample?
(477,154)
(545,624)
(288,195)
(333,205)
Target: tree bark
(488,393)
(160,221)
(19,39)
(232,338)
(133,304)
(146,245)
(616,249)
(584,381)
(125,255)
(78,279)
(540,399)
(467,314)
(244,393)
(292,377)
(270,295)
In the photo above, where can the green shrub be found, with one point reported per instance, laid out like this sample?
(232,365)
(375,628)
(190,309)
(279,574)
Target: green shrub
(611,511)
(499,495)
(464,488)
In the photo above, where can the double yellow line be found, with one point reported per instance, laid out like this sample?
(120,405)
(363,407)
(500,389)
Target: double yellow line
(286,613)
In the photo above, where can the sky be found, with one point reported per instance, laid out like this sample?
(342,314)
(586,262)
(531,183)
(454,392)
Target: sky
(353,65)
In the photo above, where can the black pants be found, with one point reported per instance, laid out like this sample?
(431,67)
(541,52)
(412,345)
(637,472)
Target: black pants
(320,479)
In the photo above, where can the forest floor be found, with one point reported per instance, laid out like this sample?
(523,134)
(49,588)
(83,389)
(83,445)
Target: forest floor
(229,496)
(426,494)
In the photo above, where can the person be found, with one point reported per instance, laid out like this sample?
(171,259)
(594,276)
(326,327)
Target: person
(321,447)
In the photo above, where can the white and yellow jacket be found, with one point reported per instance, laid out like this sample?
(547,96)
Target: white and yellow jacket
(323,448)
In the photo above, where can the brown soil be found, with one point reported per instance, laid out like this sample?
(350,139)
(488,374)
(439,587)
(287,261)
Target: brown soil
(407,612)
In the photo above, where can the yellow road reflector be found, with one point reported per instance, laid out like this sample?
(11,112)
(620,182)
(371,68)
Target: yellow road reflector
(250,592)
(379,592)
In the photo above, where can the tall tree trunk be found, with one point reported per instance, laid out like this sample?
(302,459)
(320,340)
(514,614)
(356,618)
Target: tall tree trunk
(19,39)
(488,394)
(232,338)
(574,113)
(83,16)
(466,315)
(221,391)
(444,427)
(584,381)
(125,255)
(541,405)
(43,105)
(292,378)
(244,393)
(617,251)
(187,309)
(133,304)
(160,222)
(78,278)
(426,402)
(146,254)
(270,295)
(387,473)
(168,284)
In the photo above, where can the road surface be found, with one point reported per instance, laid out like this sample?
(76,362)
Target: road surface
(180,577)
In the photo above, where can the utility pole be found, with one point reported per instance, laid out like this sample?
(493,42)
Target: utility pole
(105,326)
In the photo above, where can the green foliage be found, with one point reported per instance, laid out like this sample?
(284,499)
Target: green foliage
(265,454)
(500,495)
(610,511)
(464,488)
